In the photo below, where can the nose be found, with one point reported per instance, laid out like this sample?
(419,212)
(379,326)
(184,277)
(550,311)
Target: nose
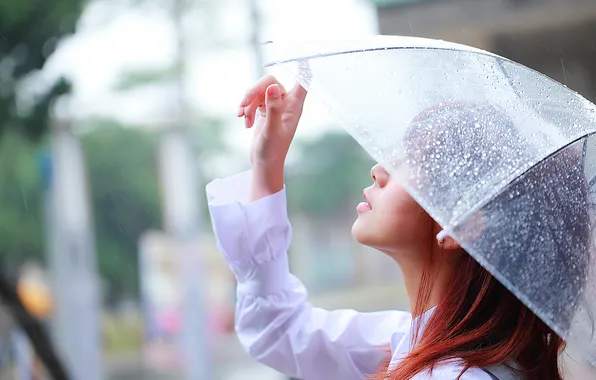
(379,175)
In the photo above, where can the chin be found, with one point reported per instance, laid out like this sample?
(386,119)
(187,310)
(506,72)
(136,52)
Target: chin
(362,234)
(368,232)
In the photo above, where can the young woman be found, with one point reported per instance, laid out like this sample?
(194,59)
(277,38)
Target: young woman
(463,323)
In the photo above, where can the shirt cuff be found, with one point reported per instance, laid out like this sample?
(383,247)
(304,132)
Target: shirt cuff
(253,237)
(234,189)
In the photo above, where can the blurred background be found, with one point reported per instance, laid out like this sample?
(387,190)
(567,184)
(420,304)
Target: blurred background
(114,114)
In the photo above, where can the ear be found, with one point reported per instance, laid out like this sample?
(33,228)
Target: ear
(473,230)
(447,242)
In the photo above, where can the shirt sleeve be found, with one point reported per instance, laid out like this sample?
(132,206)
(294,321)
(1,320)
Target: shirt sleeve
(274,322)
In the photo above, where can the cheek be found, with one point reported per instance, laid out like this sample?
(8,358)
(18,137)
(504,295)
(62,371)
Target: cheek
(403,218)
(396,220)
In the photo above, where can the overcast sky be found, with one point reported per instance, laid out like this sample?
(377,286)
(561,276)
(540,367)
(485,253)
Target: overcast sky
(112,39)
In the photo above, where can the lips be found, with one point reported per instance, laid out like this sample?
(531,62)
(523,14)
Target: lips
(366,198)
(364,206)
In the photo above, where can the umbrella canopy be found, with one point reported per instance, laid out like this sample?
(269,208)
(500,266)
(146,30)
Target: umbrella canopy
(501,156)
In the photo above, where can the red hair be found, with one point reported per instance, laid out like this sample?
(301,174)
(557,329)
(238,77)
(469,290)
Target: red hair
(480,323)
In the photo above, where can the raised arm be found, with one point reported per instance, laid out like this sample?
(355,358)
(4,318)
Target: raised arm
(274,322)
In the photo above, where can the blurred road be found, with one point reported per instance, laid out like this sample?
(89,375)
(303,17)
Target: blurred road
(231,363)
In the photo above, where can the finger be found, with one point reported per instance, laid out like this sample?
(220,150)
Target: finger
(295,103)
(296,99)
(298,93)
(257,99)
(274,107)
(251,110)
(258,103)
(258,90)
(251,114)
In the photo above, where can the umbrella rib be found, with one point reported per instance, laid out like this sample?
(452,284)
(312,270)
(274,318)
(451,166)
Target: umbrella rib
(515,90)
(336,53)
(584,153)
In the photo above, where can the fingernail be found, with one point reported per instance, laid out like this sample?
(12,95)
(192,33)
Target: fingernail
(240,111)
(273,91)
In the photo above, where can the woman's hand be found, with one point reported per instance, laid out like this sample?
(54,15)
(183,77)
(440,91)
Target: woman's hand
(275,126)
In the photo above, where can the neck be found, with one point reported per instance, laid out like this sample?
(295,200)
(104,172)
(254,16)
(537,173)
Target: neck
(426,273)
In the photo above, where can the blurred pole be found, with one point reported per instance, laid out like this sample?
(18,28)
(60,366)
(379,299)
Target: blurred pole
(180,189)
(77,306)
(255,36)
(180,193)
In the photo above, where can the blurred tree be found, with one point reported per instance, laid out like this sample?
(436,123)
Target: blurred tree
(125,199)
(125,195)
(29,33)
(122,172)
(329,176)
(122,167)
(21,219)
(21,236)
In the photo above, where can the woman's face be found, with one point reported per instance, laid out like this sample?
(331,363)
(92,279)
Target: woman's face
(390,219)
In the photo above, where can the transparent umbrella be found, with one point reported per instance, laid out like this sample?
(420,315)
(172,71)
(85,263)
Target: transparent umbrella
(501,156)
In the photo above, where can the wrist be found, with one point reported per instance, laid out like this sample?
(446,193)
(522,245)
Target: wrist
(266,180)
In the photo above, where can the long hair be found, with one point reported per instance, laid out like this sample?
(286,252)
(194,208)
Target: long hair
(481,324)
(478,322)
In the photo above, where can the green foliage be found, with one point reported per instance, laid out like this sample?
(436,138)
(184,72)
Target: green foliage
(125,190)
(123,180)
(30,31)
(121,167)
(121,161)
(330,175)
(21,219)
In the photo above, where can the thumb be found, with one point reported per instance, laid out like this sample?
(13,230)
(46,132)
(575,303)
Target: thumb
(273,106)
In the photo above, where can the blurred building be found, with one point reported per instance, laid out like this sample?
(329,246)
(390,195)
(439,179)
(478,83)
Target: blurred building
(555,37)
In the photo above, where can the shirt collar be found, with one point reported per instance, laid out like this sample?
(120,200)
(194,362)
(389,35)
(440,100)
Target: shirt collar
(402,343)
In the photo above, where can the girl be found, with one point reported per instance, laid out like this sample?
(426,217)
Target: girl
(463,323)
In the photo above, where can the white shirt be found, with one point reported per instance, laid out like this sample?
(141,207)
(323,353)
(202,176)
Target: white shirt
(274,322)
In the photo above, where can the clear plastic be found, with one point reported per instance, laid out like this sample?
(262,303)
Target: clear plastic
(501,156)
